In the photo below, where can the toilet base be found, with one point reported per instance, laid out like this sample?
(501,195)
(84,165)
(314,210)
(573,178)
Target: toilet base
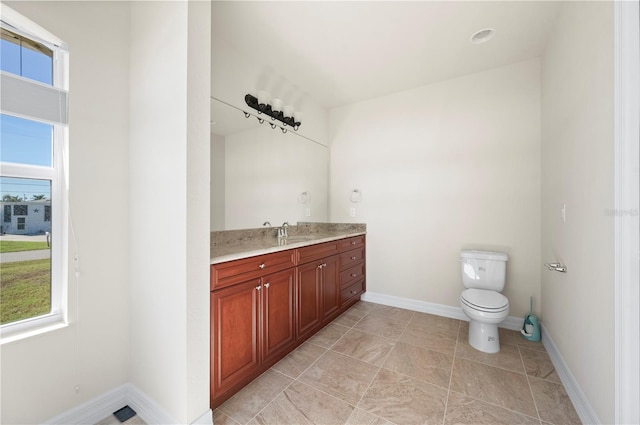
(484,337)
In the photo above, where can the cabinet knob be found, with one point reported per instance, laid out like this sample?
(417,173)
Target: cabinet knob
(353,242)
(353,258)
(258,287)
(354,274)
(266,285)
(354,292)
(261,266)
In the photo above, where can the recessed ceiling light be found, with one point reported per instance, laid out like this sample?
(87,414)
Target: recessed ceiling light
(482,36)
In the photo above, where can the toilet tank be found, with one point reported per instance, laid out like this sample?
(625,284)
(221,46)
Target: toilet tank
(483,269)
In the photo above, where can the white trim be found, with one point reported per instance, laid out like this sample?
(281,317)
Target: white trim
(95,410)
(511,322)
(626,208)
(205,419)
(147,408)
(574,391)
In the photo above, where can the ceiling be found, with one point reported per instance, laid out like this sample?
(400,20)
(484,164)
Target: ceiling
(342,52)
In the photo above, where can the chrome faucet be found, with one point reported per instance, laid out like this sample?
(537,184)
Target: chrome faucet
(267,224)
(282,231)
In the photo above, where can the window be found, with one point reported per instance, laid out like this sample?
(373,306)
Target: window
(33,120)
(20,210)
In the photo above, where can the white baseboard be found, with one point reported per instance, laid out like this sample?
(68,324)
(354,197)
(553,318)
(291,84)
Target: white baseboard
(511,322)
(580,402)
(102,406)
(94,410)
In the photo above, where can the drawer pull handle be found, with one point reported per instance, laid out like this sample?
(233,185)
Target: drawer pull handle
(354,274)
(354,292)
(261,266)
(258,288)
(353,242)
(353,258)
(266,285)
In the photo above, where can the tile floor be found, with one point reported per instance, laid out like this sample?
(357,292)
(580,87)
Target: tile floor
(382,365)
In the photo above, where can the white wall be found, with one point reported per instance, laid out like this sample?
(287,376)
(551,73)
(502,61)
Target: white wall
(39,373)
(577,170)
(217,183)
(169,205)
(443,167)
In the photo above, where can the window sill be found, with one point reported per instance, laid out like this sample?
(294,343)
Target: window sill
(13,332)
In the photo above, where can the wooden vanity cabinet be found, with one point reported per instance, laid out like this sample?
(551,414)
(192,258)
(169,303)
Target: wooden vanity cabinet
(318,290)
(262,307)
(252,327)
(352,270)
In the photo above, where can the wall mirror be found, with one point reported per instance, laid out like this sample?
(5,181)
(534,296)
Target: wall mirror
(260,174)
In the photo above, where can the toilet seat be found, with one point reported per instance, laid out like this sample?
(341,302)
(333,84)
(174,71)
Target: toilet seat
(484,300)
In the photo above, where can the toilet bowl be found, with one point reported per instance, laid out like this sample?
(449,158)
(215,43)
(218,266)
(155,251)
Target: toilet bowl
(485,310)
(483,274)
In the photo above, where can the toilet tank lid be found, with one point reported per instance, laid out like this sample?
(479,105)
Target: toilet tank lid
(484,255)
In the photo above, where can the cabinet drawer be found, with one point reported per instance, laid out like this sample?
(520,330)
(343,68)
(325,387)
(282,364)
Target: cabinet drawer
(315,252)
(351,274)
(351,291)
(232,272)
(351,243)
(349,258)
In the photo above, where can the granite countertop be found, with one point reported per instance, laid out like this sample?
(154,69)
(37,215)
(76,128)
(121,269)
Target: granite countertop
(238,244)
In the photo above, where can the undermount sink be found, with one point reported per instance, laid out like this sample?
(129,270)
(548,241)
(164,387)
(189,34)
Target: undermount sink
(293,239)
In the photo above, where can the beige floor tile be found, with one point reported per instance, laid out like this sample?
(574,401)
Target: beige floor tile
(299,359)
(340,376)
(431,322)
(419,363)
(404,400)
(433,332)
(220,418)
(364,346)
(466,410)
(302,404)
(507,336)
(382,326)
(329,335)
(538,364)
(531,345)
(254,397)
(360,417)
(507,358)
(554,405)
(349,318)
(392,312)
(363,306)
(494,385)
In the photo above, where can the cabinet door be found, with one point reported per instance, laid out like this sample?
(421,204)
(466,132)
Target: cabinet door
(309,313)
(235,333)
(330,286)
(278,332)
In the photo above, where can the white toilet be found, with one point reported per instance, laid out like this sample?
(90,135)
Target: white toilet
(483,274)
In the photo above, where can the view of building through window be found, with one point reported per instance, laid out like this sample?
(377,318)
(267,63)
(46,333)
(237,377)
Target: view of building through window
(26,180)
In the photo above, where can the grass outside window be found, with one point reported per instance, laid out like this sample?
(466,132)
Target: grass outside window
(25,289)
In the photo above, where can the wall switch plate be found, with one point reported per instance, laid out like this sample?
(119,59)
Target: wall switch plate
(307,212)
(352,212)
(563,211)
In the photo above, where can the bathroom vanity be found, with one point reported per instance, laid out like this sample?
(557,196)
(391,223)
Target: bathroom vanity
(270,295)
